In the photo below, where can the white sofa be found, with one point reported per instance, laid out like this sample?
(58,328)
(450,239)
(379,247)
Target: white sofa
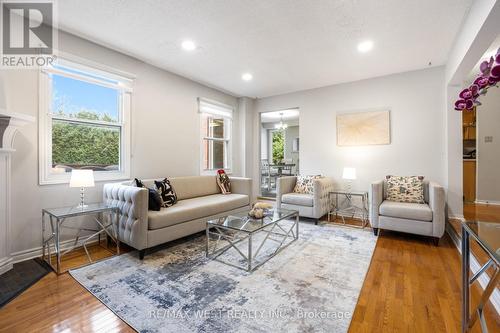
(199,200)
(309,205)
(426,219)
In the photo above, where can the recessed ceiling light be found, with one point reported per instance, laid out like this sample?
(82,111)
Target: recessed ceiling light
(188,45)
(246,77)
(365,46)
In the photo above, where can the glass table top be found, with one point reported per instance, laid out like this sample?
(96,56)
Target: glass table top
(243,222)
(342,191)
(63,212)
(487,234)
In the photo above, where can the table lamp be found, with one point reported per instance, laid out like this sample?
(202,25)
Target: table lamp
(349,174)
(82,179)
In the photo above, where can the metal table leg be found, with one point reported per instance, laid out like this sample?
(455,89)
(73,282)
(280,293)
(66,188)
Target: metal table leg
(297,226)
(249,253)
(465,279)
(58,247)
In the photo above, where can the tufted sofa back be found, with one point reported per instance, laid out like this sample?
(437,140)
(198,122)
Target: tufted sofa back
(187,187)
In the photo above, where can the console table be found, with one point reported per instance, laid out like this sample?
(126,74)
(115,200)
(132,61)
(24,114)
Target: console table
(57,218)
(487,235)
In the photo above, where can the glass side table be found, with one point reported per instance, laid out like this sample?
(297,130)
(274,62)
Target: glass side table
(106,217)
(349,207)
(487,235)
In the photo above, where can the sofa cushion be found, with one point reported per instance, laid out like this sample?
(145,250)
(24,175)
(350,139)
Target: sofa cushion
(195,208)
(406,210)
(298,199)
(195,186)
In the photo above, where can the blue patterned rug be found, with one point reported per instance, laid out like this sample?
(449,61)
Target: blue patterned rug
(311,286)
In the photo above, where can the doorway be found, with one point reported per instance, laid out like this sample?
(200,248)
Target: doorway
(279,148)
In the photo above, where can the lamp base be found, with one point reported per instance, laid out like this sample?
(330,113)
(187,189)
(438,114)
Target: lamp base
(82,204)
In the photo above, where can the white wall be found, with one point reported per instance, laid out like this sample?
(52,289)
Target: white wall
(291,133)
(481,20)
(488,158)
(264,154)
(478,30)
(417,104)
(244,133)
(165,133)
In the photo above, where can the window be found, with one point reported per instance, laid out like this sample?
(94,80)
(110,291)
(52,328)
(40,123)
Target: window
(84,123)
(216,125)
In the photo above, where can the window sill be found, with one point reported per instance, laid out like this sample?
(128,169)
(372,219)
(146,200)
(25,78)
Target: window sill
(55,179)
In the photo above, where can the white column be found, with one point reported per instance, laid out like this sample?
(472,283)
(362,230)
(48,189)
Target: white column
(9,124)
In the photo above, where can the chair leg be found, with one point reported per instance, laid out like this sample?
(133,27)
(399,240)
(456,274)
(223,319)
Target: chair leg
(316,221)
(435,241)
(142,253)
(375,231)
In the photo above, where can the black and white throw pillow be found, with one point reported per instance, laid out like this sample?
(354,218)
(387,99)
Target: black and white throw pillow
(167,192)
(154,199)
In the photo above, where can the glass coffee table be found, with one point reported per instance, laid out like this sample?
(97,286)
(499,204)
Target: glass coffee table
(245,242)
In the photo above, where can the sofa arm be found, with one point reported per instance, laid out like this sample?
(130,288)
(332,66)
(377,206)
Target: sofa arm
(437,203)
(322,188)
(241,185)
(284,185)
(133,217)
(376,198)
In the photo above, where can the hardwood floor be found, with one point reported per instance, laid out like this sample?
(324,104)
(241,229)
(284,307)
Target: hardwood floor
(411,286)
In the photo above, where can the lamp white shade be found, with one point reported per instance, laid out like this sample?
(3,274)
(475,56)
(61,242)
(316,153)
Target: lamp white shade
(82,178)
(349,173)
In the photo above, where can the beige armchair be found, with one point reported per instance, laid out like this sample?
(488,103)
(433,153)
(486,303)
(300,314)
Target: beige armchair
(309,205)
(426,219)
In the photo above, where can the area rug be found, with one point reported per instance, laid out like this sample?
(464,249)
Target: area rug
(311,286)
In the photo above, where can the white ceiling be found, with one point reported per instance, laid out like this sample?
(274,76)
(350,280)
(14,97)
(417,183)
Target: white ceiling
(288,45)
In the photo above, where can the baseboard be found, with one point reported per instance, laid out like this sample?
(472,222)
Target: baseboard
(484,279)
(5,265)
(36,252)
(487,202)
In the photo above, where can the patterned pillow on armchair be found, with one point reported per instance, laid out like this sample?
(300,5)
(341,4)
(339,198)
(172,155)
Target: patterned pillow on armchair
(305,184)
(405,189)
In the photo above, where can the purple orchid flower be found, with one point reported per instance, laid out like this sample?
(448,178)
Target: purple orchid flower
(474,89)
(465,94)
(481,82)
(460,105)
(495,69)
(469,104)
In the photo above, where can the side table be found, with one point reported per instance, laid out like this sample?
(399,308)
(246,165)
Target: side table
(349,208)
(59,218)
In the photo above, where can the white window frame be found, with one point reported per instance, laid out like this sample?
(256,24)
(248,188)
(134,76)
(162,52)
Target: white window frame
(45,117)
(211,107)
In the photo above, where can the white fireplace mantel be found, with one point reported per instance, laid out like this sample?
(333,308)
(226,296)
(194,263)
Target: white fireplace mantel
(9,125)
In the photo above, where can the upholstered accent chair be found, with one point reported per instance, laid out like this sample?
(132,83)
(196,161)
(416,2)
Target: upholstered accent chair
(313,205)
(426,219)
